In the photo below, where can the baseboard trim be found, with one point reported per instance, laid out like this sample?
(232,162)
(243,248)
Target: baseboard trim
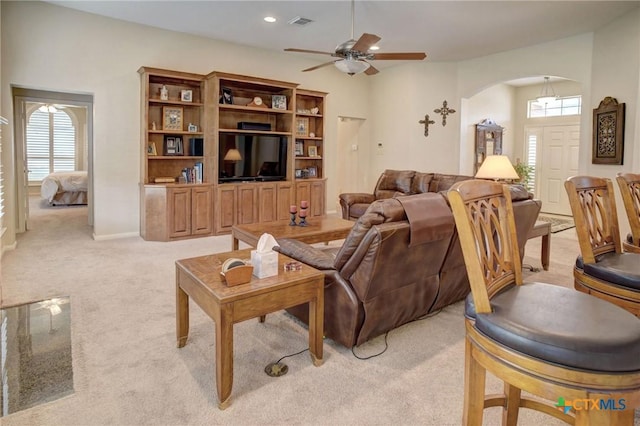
(114,236)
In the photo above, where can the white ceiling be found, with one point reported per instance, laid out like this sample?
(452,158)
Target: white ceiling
(445,30)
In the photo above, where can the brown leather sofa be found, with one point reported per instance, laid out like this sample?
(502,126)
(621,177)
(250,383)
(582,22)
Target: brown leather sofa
(401,260)
(396,182)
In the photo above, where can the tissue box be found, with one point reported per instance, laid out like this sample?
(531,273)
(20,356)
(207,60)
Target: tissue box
(264,264)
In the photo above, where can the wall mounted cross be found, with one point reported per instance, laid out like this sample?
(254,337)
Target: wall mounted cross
(444,111)
(426,123)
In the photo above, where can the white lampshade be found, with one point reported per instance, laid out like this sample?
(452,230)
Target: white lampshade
(233,155)
(497,167)
(351,66)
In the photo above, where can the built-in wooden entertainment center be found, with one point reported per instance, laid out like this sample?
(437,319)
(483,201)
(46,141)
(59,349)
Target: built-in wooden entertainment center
(225,149)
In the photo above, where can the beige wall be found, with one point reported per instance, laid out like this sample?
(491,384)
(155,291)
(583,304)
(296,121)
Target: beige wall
(100,56)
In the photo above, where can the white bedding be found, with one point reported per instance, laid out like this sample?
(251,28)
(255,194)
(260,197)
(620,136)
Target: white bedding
(55,186)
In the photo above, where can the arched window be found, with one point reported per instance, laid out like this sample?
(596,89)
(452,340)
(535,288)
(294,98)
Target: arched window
(51,143)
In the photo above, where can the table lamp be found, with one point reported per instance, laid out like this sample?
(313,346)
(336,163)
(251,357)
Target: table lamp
(497,167)
(230,159)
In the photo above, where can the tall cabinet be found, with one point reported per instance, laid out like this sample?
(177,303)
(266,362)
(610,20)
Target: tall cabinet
(176,190)
(488,141)
(225,149)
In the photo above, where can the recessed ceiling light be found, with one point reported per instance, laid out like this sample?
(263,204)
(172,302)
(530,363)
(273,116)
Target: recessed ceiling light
(374,48)
(269,19)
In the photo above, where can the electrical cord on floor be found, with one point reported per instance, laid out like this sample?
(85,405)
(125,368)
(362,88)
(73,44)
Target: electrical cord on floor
(386,344)
(288,356)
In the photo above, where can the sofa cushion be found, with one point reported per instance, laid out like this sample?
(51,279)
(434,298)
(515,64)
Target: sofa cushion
(442,182)
(392,181)
(420,183)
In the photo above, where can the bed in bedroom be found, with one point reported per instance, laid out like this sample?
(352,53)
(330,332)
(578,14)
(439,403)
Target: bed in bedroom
(65,188)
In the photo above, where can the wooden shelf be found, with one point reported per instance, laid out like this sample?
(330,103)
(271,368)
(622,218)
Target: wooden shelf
(174,157)
(182,103)
(254,132)
(233,107)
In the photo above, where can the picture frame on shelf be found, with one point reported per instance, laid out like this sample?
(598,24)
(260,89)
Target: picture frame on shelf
(173,146)
(313,151)
(172,118)
(227,96)
(299,151)
(298,173)
(279,102)
(186,95)
(151,149)
(313,172)
(302,127)
(193,128)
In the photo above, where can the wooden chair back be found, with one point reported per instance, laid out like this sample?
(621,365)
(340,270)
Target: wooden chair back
(594,212)
(486,227)
(629,184)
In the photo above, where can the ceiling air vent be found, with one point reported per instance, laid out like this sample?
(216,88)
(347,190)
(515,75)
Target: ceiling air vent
(299,21)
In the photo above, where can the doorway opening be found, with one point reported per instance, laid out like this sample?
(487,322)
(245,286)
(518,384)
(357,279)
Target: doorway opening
(54,151)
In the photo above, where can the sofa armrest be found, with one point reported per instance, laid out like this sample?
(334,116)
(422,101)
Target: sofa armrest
(351,198)
(305,253)
(356,197)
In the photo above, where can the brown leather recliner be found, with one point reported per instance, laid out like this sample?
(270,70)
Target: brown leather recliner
(384,275)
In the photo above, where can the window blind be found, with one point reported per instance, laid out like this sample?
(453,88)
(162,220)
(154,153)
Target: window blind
(50,144)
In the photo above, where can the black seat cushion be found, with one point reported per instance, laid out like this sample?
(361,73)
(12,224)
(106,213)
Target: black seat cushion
(622,269)
(562,326)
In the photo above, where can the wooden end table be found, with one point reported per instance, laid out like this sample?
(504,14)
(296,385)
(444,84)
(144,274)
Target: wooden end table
(321,229)
(199,278)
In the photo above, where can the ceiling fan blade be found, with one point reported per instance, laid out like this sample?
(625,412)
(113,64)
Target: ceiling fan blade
(320,66)
(401,56)
(371,70)
(365,42)
(290,49)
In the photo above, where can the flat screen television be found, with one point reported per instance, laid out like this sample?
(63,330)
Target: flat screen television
(252,157)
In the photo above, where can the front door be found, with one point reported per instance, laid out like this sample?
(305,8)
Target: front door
(559,160)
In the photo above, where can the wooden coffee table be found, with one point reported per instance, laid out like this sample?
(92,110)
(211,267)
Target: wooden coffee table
(319,229)
(199,278)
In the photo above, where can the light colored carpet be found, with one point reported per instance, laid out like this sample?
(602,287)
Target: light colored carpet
(128,371)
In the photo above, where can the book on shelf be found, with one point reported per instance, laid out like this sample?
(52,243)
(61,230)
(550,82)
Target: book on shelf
(193,174)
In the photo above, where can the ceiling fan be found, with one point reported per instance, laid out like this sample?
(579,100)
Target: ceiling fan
(353,54)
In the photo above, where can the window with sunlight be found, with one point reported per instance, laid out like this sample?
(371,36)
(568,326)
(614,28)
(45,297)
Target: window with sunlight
(569,105)
(51,145)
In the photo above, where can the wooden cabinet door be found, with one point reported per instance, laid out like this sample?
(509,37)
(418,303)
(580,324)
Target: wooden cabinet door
(316,198)
(179,212)
(313,192)
(201,210)
(225,208)
(285,198)
(267,203)
(303,191)
(247,204)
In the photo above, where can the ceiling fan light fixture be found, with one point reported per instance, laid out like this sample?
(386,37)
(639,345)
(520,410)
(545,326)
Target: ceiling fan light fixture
(351,66)
(547,94)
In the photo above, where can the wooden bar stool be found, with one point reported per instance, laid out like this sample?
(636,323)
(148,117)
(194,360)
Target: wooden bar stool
(602,270)
(542,229)
(629,184)
(551,341)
